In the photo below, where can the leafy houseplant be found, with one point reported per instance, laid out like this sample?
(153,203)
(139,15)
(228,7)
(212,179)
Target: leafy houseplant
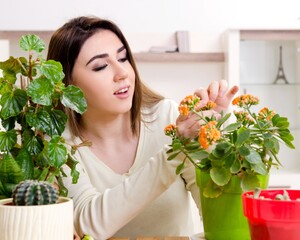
(229,160)
(246,148)
(31,142)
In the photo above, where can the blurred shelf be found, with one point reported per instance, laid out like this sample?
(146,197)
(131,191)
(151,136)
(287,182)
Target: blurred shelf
(270,84)
(279,34)
(179,57)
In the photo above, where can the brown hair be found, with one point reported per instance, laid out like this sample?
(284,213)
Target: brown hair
(64,47)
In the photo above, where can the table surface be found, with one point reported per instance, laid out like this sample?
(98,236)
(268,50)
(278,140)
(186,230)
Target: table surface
(153,238)
(199,236)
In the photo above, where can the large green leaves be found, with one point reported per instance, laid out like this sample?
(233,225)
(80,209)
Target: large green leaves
(48,120)
(10,173)
(52,70)
(73,98)
(40,91)
(12,103)
(32,42)
(57,152)
(8,140)
(31,144)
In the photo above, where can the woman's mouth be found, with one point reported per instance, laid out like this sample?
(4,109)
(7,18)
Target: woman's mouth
(122,91)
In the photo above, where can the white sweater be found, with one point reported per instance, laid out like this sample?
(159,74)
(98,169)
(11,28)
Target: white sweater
(149,200)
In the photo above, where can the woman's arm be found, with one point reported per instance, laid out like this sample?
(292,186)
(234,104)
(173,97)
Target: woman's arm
(102,214)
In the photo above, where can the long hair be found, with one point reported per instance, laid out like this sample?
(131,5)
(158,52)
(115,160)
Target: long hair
(64,47)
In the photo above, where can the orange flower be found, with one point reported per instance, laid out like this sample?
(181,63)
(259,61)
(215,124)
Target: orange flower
(188,104)
(183,110)
(170,130)
(266,114)
(244,100)
(208,106)
(209,134)
(243,117)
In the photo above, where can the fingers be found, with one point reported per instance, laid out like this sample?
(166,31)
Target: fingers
(230,94)
(190,126)
(215,90)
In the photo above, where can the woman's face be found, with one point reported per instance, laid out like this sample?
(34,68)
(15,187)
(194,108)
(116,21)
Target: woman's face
(104,74)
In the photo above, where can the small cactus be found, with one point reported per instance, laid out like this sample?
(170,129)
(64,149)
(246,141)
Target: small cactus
(33,192)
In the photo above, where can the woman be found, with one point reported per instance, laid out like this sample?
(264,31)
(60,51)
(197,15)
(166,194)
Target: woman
(126,185)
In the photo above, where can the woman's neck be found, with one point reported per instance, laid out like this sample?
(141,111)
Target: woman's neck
(118,126)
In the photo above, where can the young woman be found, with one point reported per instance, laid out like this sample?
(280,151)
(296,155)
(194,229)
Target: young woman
(126,185)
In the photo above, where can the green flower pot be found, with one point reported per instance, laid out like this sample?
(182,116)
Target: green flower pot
(223,217)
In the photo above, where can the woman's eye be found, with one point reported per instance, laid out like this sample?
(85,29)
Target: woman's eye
(123,59)
(99,68)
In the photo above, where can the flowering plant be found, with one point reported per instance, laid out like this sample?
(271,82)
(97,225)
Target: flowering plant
(247,147)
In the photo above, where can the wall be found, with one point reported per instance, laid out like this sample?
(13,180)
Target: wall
(148,23)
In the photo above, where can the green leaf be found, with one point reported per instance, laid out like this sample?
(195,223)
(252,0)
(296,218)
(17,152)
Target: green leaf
(10,68)
(73,98)
(220,175)
(236,166)
(212,190)
(31,42)
(63,191)
(259,168)
(223,119)
(253,157)
(43,174)
(249,182)
(57,152)
(231,127)
(53,71)
(199,154)
(173,155)
(179,168)
(229,160)
(243,151)
(176,145)
(58,122)
(243,135)
(192,146)
(32,143)
(25,162)
(71,162)
(40,120)
(12,103)
(8,140)
(10,171)
(41,90)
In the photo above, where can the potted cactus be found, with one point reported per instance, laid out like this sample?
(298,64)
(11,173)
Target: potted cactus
(31,135)
(42,218)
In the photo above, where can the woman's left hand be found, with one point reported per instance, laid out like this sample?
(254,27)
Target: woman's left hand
(188,126)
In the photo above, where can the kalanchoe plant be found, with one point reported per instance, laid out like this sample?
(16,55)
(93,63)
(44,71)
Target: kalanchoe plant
(247,147)
(31,142)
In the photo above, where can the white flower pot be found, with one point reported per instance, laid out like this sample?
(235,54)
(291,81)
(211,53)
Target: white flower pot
(44,222)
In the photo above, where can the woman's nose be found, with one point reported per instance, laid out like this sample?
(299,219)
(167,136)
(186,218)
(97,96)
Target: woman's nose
(121,72)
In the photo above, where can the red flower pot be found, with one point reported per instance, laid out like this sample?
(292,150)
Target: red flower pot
(271,219)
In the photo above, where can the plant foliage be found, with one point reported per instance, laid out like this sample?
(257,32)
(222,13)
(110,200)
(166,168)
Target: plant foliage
(31,142)
(247,147)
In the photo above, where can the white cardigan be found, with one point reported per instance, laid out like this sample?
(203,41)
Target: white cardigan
(149,200)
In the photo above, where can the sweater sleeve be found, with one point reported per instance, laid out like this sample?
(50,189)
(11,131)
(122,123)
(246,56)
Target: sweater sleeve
(101,214)
(188,174)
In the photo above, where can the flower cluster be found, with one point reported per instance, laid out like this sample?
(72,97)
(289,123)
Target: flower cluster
(247,147)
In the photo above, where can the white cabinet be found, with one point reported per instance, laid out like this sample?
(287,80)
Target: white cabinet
(253,62)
